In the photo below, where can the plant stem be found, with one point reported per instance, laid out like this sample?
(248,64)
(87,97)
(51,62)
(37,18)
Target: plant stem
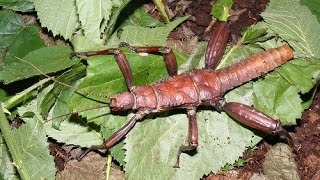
(108,166)
(24,95)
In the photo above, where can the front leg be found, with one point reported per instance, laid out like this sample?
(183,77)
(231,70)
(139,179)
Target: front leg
(121,60)
(255,119)
(121,133)
(192,135)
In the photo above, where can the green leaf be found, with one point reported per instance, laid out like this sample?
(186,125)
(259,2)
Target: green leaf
(152,146)
(60,17)
(278,94)
(91,15)
(68,78)
(7,170)
(75,132)
(299,73)
(27,40)
(221,8)
(314,6)
(4,95)
(119,5)
(28,146)
(47,60)
(82,44)
(308,102)
(112,124)
(140,18)
(33,147)
(252,33)
(275,97)
(237,53)
(195,60)
(18,5)
(144,36)
(295,24)
(10,25)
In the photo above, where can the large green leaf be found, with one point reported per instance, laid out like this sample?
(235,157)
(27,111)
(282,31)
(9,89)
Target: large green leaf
(60,17)
(17,5)
(59,95)
(277,98)
(28,145)
(119,5)
(91,15)
(140,17)
(314,6)
(278,94)
(10,25)
(74,132)
(27,40)
(144,36)
(295,24)
(299,72)
(133,34)
(38,62)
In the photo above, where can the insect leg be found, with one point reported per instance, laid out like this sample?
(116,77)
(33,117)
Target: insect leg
(216,45)
(169,57)
(255,119)
(192,135)
(118,135)
(121,60)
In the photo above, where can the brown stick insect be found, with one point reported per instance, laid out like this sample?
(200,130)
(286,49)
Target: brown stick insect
(204,87)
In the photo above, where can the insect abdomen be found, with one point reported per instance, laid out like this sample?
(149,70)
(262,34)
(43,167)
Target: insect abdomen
(201,86)
(253,67)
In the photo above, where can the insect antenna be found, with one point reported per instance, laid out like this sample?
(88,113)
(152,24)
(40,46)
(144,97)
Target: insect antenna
(64,84)
(77,112)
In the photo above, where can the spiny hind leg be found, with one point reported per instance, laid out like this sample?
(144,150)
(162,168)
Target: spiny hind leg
(253,118)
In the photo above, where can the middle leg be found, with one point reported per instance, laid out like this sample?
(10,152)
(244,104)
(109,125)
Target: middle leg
(192,135)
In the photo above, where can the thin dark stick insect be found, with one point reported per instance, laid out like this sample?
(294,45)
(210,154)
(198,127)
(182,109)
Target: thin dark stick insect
(198,87)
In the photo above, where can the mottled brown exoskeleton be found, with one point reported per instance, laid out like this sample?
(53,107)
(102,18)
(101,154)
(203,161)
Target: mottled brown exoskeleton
(197,87)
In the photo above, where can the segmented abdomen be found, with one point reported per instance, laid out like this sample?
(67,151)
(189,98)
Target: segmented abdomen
(201,86)
(253,66)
